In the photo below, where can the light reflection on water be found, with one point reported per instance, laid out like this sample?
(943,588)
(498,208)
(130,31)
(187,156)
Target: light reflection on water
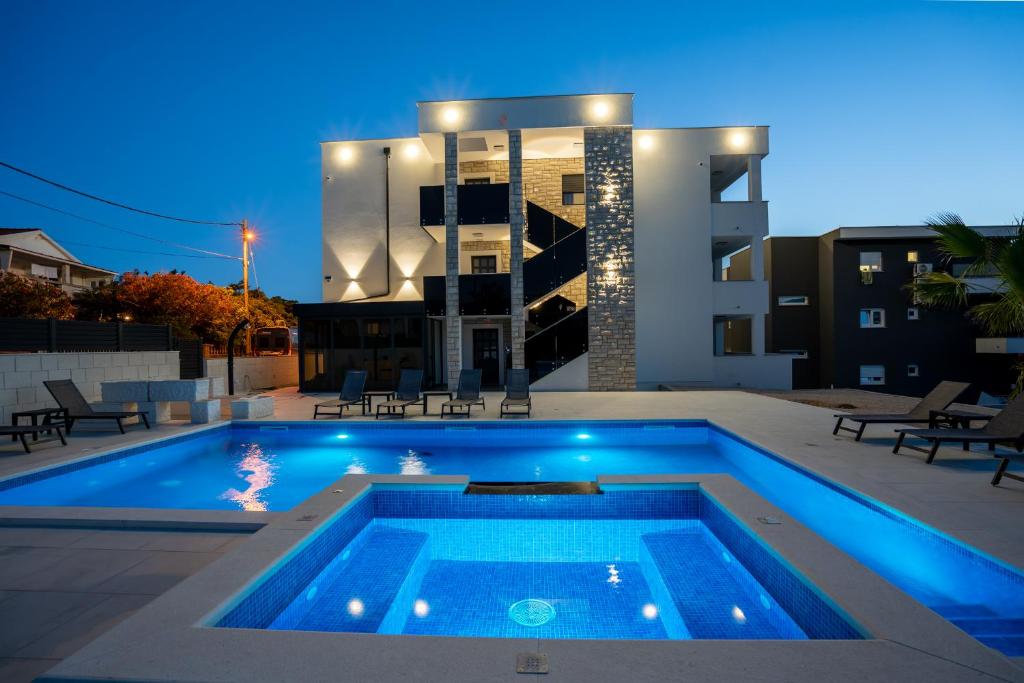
(258,471)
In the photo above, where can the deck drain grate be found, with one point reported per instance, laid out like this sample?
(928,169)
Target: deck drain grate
(531,612)
(769,520)
(531,663)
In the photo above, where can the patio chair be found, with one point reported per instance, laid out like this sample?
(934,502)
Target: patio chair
(938,398)
(20,432)
(407,394)
(68,397)
(467,394)
(351,394)
(1007,427)
(517,393)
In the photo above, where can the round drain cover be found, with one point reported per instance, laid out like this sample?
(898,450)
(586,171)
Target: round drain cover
(531,612)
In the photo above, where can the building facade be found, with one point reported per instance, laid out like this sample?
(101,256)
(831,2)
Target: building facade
(545,233)
(32,253)
(842,304)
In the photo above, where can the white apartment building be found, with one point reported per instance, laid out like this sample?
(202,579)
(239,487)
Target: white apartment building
(547,233)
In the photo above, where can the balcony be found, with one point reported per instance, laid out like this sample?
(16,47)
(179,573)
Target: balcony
(477,205)
(739,218)
(734,297)
(489,294)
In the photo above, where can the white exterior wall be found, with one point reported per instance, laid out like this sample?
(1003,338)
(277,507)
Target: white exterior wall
(354,249)
(22,374)
(253,374)
(677,297)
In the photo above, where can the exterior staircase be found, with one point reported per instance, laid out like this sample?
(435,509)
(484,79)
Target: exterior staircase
(556,329)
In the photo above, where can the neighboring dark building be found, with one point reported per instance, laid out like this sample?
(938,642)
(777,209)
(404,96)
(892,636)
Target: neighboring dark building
(843,300)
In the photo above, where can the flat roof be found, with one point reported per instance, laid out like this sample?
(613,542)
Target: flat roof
(525,97)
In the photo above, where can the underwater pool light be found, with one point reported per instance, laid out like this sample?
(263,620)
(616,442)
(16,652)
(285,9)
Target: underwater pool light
(650,611)
(583,436)
(342,436)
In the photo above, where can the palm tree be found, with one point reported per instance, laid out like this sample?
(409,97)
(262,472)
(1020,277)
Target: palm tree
(999,258)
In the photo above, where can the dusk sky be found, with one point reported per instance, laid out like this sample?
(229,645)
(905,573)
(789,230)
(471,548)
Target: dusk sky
(880,112)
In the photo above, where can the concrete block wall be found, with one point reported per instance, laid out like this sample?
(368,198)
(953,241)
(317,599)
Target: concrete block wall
(254,374)
(611,273)
(22,374)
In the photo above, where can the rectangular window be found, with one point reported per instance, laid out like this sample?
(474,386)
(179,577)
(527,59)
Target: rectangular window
(913,314)
(484,264)
(572,189)
(872,375)
(912,256)
(872,317)
(913,371)
(871,262)
(48,272)
(794,301)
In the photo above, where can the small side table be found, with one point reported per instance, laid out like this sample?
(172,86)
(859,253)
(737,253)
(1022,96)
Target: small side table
(49,415)
(438,392)
(368,396)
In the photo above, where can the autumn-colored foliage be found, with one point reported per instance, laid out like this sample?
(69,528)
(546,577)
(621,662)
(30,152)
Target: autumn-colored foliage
(27,297)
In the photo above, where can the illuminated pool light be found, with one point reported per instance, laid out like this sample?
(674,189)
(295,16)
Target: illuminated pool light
(356,607)
(342,436)
(583,436)
(738,616)
(421,608)
(650,611)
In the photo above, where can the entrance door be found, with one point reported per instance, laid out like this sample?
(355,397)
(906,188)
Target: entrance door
(485,354)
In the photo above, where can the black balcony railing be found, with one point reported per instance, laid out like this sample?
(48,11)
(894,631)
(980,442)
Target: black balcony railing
(555,346)
(549,313)
(489,294)
(555,266)
(478,204)
(544,228)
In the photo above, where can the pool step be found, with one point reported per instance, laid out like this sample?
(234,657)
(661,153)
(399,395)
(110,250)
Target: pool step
(991,626)
(952,612)
(357,596)
(1011,646)
(533,488)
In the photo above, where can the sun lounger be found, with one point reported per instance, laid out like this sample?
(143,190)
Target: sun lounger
(937,399)
(407,394)
(467,394)
(68,397)
(351,394)
(517,393)
(21,432)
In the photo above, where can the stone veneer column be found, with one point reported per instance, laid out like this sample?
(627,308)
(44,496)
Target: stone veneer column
(611,280)
(453,321)
(516,225)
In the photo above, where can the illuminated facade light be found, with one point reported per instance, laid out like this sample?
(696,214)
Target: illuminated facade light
(646,142)
(345,154)
(739,139)
(450,115)
(411,150)
(600,110)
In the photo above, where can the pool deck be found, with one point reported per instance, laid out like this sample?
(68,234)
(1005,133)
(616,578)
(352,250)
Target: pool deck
(952,495)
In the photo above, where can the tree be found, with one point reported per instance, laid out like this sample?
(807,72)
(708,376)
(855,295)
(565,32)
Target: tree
(1001,258)
(27,297)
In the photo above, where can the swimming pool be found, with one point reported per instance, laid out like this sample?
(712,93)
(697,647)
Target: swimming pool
(636,564)
(263,467)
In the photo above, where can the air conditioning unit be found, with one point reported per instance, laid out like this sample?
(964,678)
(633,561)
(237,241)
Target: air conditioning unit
(922,268)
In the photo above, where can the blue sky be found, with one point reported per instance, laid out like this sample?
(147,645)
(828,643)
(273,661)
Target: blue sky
(880,112)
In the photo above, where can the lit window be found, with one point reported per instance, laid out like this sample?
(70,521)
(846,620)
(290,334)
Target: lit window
(871,262)
(572,189)
(913,371)
(872,317)
(794,301)
(913,314)
(912,256)
(872,375)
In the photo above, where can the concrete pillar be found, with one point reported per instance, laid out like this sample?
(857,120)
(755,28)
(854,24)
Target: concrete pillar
(611,276)
(757,323)
(754,178)
(516,225)
(453,321)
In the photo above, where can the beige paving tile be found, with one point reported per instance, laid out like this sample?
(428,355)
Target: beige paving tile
(114,539)
(40,537)
(20,670)
(80,569)
(70,636)
(29,615)
(159,572)
(17,562)
(191,541)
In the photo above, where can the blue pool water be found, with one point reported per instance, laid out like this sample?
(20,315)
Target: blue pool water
(249,469)
(624,564)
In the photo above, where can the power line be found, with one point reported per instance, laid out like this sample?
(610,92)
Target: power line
(211,254)
(136,251)
(111,202)
(252,260)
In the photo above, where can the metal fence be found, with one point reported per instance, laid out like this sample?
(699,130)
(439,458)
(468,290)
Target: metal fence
(23,334)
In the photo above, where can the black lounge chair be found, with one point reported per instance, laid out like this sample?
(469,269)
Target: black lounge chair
(20,432)
(1007,427)
(407,394)
(938,398)
(351,394)
(467,394)
(68,397)
(517,393)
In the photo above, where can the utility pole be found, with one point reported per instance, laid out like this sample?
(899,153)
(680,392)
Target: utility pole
(246,236)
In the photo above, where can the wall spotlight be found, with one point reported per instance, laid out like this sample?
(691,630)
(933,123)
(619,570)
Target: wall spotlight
(411,150)
(450,115)
(328,278)
(600,109)
(646,142)
(739,139)
(345,154)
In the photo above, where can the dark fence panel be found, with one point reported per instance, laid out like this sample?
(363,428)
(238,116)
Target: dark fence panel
(555,346)
(18,334)
(190,357)
(83,335)
(434,295)
(485,294)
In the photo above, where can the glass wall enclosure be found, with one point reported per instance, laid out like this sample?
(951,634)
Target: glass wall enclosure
(381,338)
